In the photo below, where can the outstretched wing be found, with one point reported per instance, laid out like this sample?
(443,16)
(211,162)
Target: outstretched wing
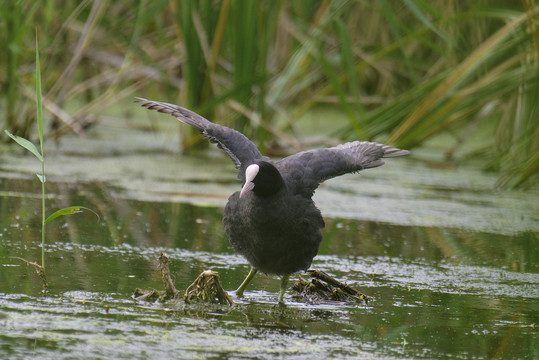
(306,170)
(241,150)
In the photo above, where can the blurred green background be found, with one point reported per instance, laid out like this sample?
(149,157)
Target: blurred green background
(460,77)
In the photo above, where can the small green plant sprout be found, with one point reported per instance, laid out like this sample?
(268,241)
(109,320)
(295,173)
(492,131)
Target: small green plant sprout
(40,269)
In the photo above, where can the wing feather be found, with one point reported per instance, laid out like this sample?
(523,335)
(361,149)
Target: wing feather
(306,170)
(239,148)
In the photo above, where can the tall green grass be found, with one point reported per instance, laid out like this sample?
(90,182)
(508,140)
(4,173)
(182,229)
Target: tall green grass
(40,155)
(409,73)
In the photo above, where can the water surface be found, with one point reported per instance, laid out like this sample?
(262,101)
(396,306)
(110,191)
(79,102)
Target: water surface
(452,265)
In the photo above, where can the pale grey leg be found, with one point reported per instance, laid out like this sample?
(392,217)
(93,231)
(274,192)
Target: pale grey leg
(284,284)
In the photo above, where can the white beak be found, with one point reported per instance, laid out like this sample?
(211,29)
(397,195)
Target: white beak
(250,174)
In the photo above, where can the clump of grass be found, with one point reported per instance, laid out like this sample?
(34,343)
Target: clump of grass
(40,269)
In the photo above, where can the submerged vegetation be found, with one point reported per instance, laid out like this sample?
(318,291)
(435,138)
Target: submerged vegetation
(460,76)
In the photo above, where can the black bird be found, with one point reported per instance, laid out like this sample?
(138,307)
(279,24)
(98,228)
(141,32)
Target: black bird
(272,221)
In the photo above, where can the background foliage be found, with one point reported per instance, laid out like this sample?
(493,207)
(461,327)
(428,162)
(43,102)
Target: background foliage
(460,76)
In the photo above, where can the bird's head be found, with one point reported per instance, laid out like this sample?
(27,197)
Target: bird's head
(263,179)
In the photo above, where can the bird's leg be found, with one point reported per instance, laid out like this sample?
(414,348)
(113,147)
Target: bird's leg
(284,284)
(246,282)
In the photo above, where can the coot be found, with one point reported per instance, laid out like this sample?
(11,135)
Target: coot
(273,221)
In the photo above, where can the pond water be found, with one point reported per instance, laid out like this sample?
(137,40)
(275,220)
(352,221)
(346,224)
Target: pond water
(453,266)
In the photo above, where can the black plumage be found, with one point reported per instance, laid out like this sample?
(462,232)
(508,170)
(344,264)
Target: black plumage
(273,221)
